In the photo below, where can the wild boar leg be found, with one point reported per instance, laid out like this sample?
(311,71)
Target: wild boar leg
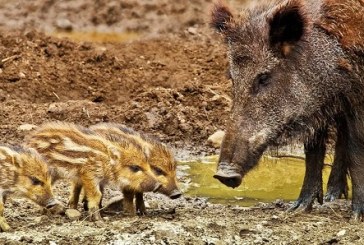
(76,188)
(93,195)
(139,203)
(128,202)
(355,150)
(312,184)
(337,185)
(3,224)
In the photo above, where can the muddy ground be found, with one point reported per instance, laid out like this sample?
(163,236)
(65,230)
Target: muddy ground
(170,82)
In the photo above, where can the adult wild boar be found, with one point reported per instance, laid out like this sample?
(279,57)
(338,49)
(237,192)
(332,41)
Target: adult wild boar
(297,68)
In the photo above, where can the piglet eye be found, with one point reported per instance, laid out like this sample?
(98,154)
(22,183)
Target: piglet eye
(35,181)
(135,168)
(158,171)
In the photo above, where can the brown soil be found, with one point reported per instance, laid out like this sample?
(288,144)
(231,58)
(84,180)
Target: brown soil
(169,83)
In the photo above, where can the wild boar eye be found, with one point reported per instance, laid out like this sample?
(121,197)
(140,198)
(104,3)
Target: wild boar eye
(135,168)
(262,80)
(35,181)
(158,171)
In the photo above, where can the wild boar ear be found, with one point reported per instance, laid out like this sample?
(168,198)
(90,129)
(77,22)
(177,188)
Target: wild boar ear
(287,26)
(221,17)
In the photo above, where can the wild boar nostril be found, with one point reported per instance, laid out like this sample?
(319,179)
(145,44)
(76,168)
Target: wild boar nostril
(157,187)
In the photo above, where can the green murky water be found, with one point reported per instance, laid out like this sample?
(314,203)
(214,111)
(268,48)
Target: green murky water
(274,178)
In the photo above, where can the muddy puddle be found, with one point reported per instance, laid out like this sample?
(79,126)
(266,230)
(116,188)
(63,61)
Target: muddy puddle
(274,178)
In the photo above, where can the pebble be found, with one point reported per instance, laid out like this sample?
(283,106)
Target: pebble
(64,24)
(259,227)
(26,127)
(192,30)
(264,222)
(73,214)
(341,233)
(21,75)
(216,138)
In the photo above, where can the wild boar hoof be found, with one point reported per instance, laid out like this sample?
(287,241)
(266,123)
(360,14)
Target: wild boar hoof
(358,212)
(4,225)
(299,206)
(336,192)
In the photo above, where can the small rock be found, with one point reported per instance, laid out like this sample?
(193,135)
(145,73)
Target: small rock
(258,240)
(216,139)
(38,219)
(21,75)
(341,233)
(73,214)
(259,227)
(192,30)
(264,222)
(26,127)
(64,24)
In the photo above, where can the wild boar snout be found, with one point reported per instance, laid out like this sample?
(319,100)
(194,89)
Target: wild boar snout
(228,175)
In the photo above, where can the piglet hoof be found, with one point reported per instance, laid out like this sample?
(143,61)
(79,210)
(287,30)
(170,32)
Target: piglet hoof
(4,225)
(95,216)
(141,211)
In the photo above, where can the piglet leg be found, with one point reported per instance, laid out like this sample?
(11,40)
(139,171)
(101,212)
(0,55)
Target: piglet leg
(3,224)
(140,206)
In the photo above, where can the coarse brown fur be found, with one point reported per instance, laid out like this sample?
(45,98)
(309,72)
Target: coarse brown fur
(23,173)
(297,69)
(344,19)
(75,153)
(159,157)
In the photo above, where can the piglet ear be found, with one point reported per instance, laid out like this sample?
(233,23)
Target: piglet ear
(221,17)
(288,26)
